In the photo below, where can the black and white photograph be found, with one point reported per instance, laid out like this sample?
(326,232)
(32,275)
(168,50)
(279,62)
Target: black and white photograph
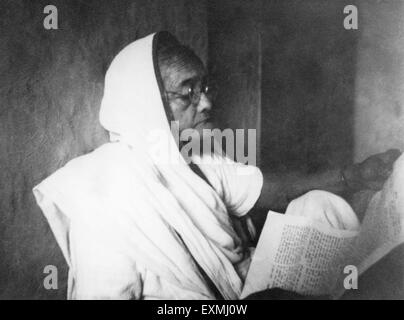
(201,150)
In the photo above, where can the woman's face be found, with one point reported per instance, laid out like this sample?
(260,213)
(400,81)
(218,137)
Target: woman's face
(185,87)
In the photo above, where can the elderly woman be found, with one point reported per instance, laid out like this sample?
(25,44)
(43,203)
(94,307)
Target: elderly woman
(133,225)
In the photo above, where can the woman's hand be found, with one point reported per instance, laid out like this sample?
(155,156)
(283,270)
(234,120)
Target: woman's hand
(371,173)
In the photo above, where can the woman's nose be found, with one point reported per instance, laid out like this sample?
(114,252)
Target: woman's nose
(204,103)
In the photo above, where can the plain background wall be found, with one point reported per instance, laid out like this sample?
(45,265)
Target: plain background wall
(308,85)
(289,68)
(50,89)
(378,117)
(319,95)
(235,63)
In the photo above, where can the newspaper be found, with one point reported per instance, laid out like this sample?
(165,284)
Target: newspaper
(297,254)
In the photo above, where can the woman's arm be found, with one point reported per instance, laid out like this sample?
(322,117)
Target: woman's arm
(279,189)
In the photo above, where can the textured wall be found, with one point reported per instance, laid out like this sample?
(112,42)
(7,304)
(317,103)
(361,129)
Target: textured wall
(286,68)
(379,116)
(329,95)
(308,85)
(235,62)
(379,97)
(50,90)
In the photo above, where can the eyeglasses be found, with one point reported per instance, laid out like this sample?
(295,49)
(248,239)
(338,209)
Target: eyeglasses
(193,96)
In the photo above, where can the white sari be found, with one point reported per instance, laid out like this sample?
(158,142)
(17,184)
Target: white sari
(133,226)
